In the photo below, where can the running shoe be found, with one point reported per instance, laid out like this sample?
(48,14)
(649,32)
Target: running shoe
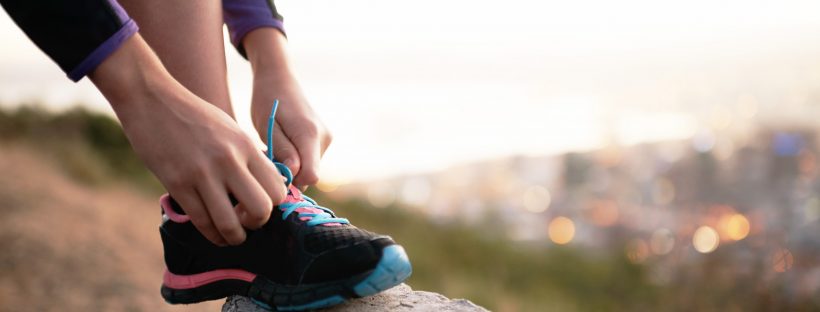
(303,258)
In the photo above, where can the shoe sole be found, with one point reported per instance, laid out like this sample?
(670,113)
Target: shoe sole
(392,269)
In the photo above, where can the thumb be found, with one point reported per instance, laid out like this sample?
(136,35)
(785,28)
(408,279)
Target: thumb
(284,151)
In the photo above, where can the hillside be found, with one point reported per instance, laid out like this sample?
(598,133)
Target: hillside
(78,225)
(78,232)
(68,246)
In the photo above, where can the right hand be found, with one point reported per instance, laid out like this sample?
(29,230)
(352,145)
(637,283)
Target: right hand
(197,151)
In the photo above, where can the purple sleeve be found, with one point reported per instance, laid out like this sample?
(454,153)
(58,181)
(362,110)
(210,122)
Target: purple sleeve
(242,16)
(78,35)
(103,51)
(90,62)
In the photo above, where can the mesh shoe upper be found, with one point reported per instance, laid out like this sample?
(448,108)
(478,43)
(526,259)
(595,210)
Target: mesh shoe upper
(329,250)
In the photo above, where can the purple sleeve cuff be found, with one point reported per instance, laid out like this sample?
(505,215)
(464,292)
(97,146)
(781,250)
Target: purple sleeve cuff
(245,26)
(103,51)
(243,16)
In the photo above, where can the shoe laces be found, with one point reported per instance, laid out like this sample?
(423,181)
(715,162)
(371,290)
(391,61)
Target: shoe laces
(306,208)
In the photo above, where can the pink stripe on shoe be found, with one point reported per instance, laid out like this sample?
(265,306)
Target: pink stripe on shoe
(165,202)
(174,281)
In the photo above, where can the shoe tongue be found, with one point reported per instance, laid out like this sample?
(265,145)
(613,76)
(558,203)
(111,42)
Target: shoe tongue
(295,196)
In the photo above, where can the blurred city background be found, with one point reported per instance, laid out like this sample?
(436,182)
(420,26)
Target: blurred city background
(565,156)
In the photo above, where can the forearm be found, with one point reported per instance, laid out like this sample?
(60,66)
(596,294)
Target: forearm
(130,77)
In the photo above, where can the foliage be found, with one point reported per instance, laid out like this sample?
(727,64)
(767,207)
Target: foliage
(89,146)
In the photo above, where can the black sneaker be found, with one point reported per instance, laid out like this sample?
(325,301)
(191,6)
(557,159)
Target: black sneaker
(303,258)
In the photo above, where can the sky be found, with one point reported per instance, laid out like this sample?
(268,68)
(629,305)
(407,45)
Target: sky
(417,86)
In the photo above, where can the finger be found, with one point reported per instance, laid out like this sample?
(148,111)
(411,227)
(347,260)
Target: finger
(284,151)
(325,141)
(223,216)
(269,178)
(192,205)
(309,153)
(254,203)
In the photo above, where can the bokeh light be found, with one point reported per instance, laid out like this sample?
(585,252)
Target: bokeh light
(561,230)
(782,260)
(662,241)
(536,198)
(703,141)
(706,239)
(737,227)
(327,187)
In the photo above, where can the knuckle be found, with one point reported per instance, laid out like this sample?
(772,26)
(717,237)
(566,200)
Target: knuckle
(223,157)
(328,137)
(295,165)
(175,182)
(310,177)
(259,217)
(194,173)
(280,196)
(245,145)
(267,206)
(310,129)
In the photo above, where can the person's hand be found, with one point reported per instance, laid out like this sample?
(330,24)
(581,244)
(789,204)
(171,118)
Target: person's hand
(197,151)
(300,139)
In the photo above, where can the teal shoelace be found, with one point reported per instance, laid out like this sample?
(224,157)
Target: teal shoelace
(317,214)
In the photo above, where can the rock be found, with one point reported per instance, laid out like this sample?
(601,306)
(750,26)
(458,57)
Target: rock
(399,298)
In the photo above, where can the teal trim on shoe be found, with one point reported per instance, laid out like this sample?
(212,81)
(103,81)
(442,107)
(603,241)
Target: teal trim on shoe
(393,269)
(329,301)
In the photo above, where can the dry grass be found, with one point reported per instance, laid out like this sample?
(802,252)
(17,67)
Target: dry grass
(66,246)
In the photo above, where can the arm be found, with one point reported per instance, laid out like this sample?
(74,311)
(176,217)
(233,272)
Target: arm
(301,138)
(196,151)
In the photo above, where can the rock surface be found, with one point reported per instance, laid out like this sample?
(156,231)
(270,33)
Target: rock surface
(399,298)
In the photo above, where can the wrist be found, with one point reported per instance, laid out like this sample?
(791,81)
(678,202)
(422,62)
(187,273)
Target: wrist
(267,53)
(132,79)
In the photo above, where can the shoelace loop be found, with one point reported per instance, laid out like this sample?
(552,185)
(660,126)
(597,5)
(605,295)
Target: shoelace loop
(309,208)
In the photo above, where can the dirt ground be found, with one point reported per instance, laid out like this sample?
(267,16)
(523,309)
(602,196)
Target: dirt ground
(67,246)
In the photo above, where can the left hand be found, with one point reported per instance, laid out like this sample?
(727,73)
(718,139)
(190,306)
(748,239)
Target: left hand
(300,138)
